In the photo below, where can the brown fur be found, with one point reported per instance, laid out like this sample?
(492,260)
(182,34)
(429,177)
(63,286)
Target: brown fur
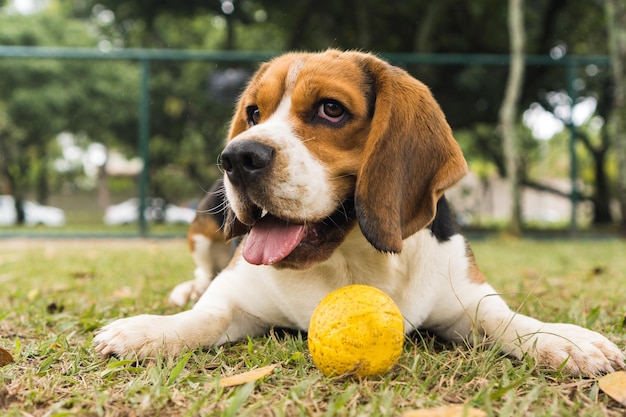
(204,224)
(473,272)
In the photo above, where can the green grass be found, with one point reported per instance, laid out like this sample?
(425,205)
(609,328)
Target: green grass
(93,230)
(54,294)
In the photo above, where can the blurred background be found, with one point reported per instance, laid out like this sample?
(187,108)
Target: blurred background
(71,157)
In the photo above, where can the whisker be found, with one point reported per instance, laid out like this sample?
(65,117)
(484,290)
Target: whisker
(218,192)
(219,164)
(341,208)
(232,219)
(216,209)
(309,139)
(338,177)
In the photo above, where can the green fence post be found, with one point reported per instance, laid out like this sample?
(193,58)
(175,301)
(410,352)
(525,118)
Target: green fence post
(144,139)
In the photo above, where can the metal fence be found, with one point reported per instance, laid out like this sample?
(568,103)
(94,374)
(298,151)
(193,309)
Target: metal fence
(144,58)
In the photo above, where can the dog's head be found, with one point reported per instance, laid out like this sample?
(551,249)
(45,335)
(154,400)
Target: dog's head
(322,141)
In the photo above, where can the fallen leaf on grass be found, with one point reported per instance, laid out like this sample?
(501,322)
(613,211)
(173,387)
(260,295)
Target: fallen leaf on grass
(446,411)
(5,357)
(124,292)
(245,377)
(33,294)
(614,385)
(82,275)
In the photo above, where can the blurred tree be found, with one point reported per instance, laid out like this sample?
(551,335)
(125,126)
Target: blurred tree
(390,26)
(191,102)
(509,110)
(41,98)
(597,146)
(616,26)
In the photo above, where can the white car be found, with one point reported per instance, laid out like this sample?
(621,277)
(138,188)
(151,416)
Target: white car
(35,214)
(177,214)
(156,210)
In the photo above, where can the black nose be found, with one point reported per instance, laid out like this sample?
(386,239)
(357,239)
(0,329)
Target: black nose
(245,160)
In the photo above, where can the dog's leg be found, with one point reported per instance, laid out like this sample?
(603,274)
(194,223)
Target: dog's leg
(192,289)
(207,245)
(210,258)
(149,336)
(216,318)
(574,349)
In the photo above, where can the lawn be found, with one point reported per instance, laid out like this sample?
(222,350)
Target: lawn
(55,293)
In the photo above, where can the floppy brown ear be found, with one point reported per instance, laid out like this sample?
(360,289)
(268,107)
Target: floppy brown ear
(410,159)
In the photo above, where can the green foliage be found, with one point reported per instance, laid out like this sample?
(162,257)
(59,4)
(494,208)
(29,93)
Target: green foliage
(43,29)
(41,98)
(121,184)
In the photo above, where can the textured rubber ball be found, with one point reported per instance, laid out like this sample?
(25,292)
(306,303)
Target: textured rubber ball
(356,330)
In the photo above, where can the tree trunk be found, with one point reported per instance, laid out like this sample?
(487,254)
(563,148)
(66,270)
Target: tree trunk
(602,195)
(229,43)
(601,198)
(362,24)
(296,38)
(41,175)
(427,26)
(615,11)
(12,170)
(509,111)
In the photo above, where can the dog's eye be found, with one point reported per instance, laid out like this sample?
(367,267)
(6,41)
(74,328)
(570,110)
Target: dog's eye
(254,115)
(332,111)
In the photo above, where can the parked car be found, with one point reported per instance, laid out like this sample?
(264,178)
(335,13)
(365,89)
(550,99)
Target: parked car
(156,210)
(35,213)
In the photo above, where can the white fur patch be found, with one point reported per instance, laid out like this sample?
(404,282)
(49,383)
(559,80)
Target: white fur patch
(292,75)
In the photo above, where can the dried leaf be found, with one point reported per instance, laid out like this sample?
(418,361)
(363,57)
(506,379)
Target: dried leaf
(614,385)
(82,275)
(245,377)
(124,292)
(446,411)
(5,357)
(33,294)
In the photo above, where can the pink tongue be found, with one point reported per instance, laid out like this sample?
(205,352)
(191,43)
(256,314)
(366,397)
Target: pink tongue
(271,240)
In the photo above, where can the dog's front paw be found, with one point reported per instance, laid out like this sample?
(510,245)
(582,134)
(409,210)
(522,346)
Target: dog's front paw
(144,336)
(574,349)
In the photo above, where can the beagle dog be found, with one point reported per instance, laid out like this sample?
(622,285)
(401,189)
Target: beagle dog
(335,171)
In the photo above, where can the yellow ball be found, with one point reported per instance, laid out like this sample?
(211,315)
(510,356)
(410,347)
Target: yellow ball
(356,330)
